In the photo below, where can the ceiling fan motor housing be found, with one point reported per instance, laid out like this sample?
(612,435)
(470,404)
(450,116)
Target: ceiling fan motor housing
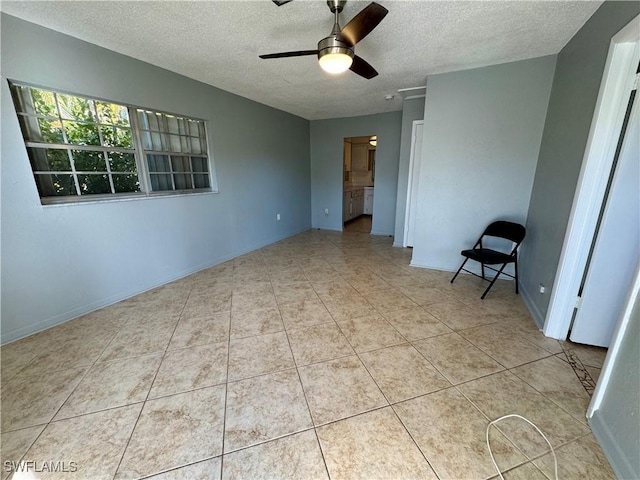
(333,45)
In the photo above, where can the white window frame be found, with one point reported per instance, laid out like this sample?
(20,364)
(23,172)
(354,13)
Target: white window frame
(138,150)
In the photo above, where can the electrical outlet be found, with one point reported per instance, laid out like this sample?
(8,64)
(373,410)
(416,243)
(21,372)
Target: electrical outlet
(277,216)
(541,288)
(326,211)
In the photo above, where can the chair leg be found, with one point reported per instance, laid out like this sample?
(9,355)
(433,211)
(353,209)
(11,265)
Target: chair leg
(516,268)
(482,266)
(493,281)
(454,277)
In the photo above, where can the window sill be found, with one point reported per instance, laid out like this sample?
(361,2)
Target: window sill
(53,202)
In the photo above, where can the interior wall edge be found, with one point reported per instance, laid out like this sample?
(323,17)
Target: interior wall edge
(611,448)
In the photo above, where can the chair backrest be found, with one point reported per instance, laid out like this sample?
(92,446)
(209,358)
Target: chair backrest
(509,230)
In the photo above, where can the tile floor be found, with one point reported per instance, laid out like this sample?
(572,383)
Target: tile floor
(321,356)
(362,224)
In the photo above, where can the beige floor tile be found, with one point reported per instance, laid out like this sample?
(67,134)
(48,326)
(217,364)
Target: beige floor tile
(304,313)
(594,372)
(388,300)
(258,355)
(194,331)
(402,373)
(140,338)
(338,389)
(504,393)
(370,333)
(293,275)
(296,456)
(580,459)
(15,444)
(318,343)
(191,368)
(588,355)
(112,384)
(415,323)
(333,288)
(206,470)
(528,330)
(295,292)
(503,344)
(248,301)
(450,431)
(558,382)
(374,445)
(457,359)
(247,323)
(346,309)
(367,283)
(206,304)
(528,471)
(35,399)
(73,352)
(263,408)
(425,294)
(175,431)
(457,315)
(95,442)
(501,307)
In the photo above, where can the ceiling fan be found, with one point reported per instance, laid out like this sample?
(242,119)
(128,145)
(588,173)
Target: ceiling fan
(336,52)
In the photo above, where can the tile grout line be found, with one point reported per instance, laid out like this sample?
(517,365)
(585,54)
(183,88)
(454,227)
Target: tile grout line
(135,424)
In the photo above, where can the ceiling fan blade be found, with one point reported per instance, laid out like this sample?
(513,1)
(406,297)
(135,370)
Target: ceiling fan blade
(279,3)
(363,23)
(299,53)
(362,68)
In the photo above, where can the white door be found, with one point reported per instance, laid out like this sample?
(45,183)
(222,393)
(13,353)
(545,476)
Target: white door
(412,186)
(616,249)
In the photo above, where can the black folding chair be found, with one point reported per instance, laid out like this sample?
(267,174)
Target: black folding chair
(500,229)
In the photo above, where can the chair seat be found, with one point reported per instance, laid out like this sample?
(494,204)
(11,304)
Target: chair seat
(487,256)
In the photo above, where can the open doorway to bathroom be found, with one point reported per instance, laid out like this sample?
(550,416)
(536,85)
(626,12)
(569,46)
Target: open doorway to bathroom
(359,173)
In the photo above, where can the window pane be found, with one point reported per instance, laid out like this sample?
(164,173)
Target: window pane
(93,184)
(126,183)
(81,133)
(44,102)
(122,162)
(199,164)
(180,164)
(87,161)
(55,185)
(174,145)
(161,182)
(113,114)
(158,163)
(47,159)
(76,108)
(183,182)
(50,131)
(193,128)
(116,137)
(201,180)
(172,124)
(195,145)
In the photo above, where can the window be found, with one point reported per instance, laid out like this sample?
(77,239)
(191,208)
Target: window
(83,148)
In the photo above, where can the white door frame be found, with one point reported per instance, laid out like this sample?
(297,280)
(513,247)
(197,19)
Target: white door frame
(617,83)
(412,162)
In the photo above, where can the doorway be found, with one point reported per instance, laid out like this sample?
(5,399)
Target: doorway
(602,147)
(358,191)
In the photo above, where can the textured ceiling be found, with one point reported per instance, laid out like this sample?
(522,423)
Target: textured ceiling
(219,42)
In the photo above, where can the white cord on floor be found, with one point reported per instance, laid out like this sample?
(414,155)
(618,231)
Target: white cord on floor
(515,415)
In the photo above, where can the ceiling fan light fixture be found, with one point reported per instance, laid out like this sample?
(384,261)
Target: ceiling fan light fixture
(334,56)
(335,62)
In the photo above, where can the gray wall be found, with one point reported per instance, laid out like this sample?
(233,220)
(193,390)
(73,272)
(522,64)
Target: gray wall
(61,261)
(616,423)
(573,98)
(327,162)
(482,131)
(412,109)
